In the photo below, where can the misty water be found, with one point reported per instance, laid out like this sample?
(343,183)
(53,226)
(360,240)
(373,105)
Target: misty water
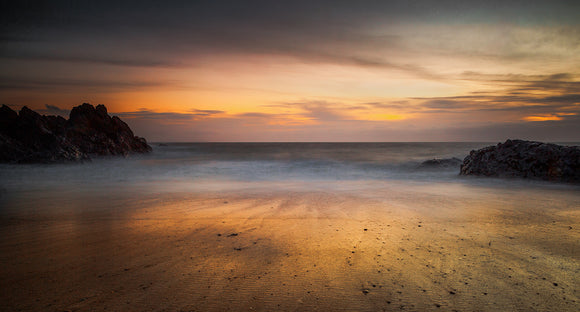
(200,167)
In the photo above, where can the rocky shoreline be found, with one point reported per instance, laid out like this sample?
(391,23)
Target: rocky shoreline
(525,159)
(28,137)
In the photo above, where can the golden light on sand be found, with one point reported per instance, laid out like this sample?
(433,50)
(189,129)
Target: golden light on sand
(295,246)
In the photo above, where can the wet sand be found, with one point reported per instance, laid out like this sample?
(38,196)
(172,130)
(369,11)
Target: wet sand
(383,248)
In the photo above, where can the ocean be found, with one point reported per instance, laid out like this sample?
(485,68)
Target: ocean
(250,167)
(213,166)
(248,162)
(199,162)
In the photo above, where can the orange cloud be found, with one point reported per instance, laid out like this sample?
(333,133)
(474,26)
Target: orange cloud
(542,118)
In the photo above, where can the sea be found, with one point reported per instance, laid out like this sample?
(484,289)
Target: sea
(212,167)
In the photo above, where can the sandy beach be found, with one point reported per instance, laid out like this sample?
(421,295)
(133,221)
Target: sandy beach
(364,247)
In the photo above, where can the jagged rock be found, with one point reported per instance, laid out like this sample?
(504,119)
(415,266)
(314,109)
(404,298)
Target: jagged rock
(526,159)
(8,118)
(437,163)
(95,132)
(30,137)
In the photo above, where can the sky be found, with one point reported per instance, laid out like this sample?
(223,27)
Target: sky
(323,71)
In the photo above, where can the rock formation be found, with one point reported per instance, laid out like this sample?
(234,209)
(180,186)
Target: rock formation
(30,137)
(526,159)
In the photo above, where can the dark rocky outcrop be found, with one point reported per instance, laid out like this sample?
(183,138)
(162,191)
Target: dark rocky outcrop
(95,132)
(526,159)
(30,137)
(438,163)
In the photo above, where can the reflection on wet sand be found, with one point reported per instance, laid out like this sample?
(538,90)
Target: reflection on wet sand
(390,247)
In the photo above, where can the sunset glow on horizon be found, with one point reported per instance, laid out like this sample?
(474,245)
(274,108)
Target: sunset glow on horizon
(302,71)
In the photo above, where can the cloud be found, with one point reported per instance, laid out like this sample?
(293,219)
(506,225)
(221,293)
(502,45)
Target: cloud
(350,57)
(206,112)
(370,34)
(542,118)
(390,36)
(528,95)
(115,60)
(147,114)
(322,111)
(519,83)
(197,115)
(170,117)
(58,84)
(388,105)
(562,99)
(331,50)
(54,110)
(444,103)
(254,115)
